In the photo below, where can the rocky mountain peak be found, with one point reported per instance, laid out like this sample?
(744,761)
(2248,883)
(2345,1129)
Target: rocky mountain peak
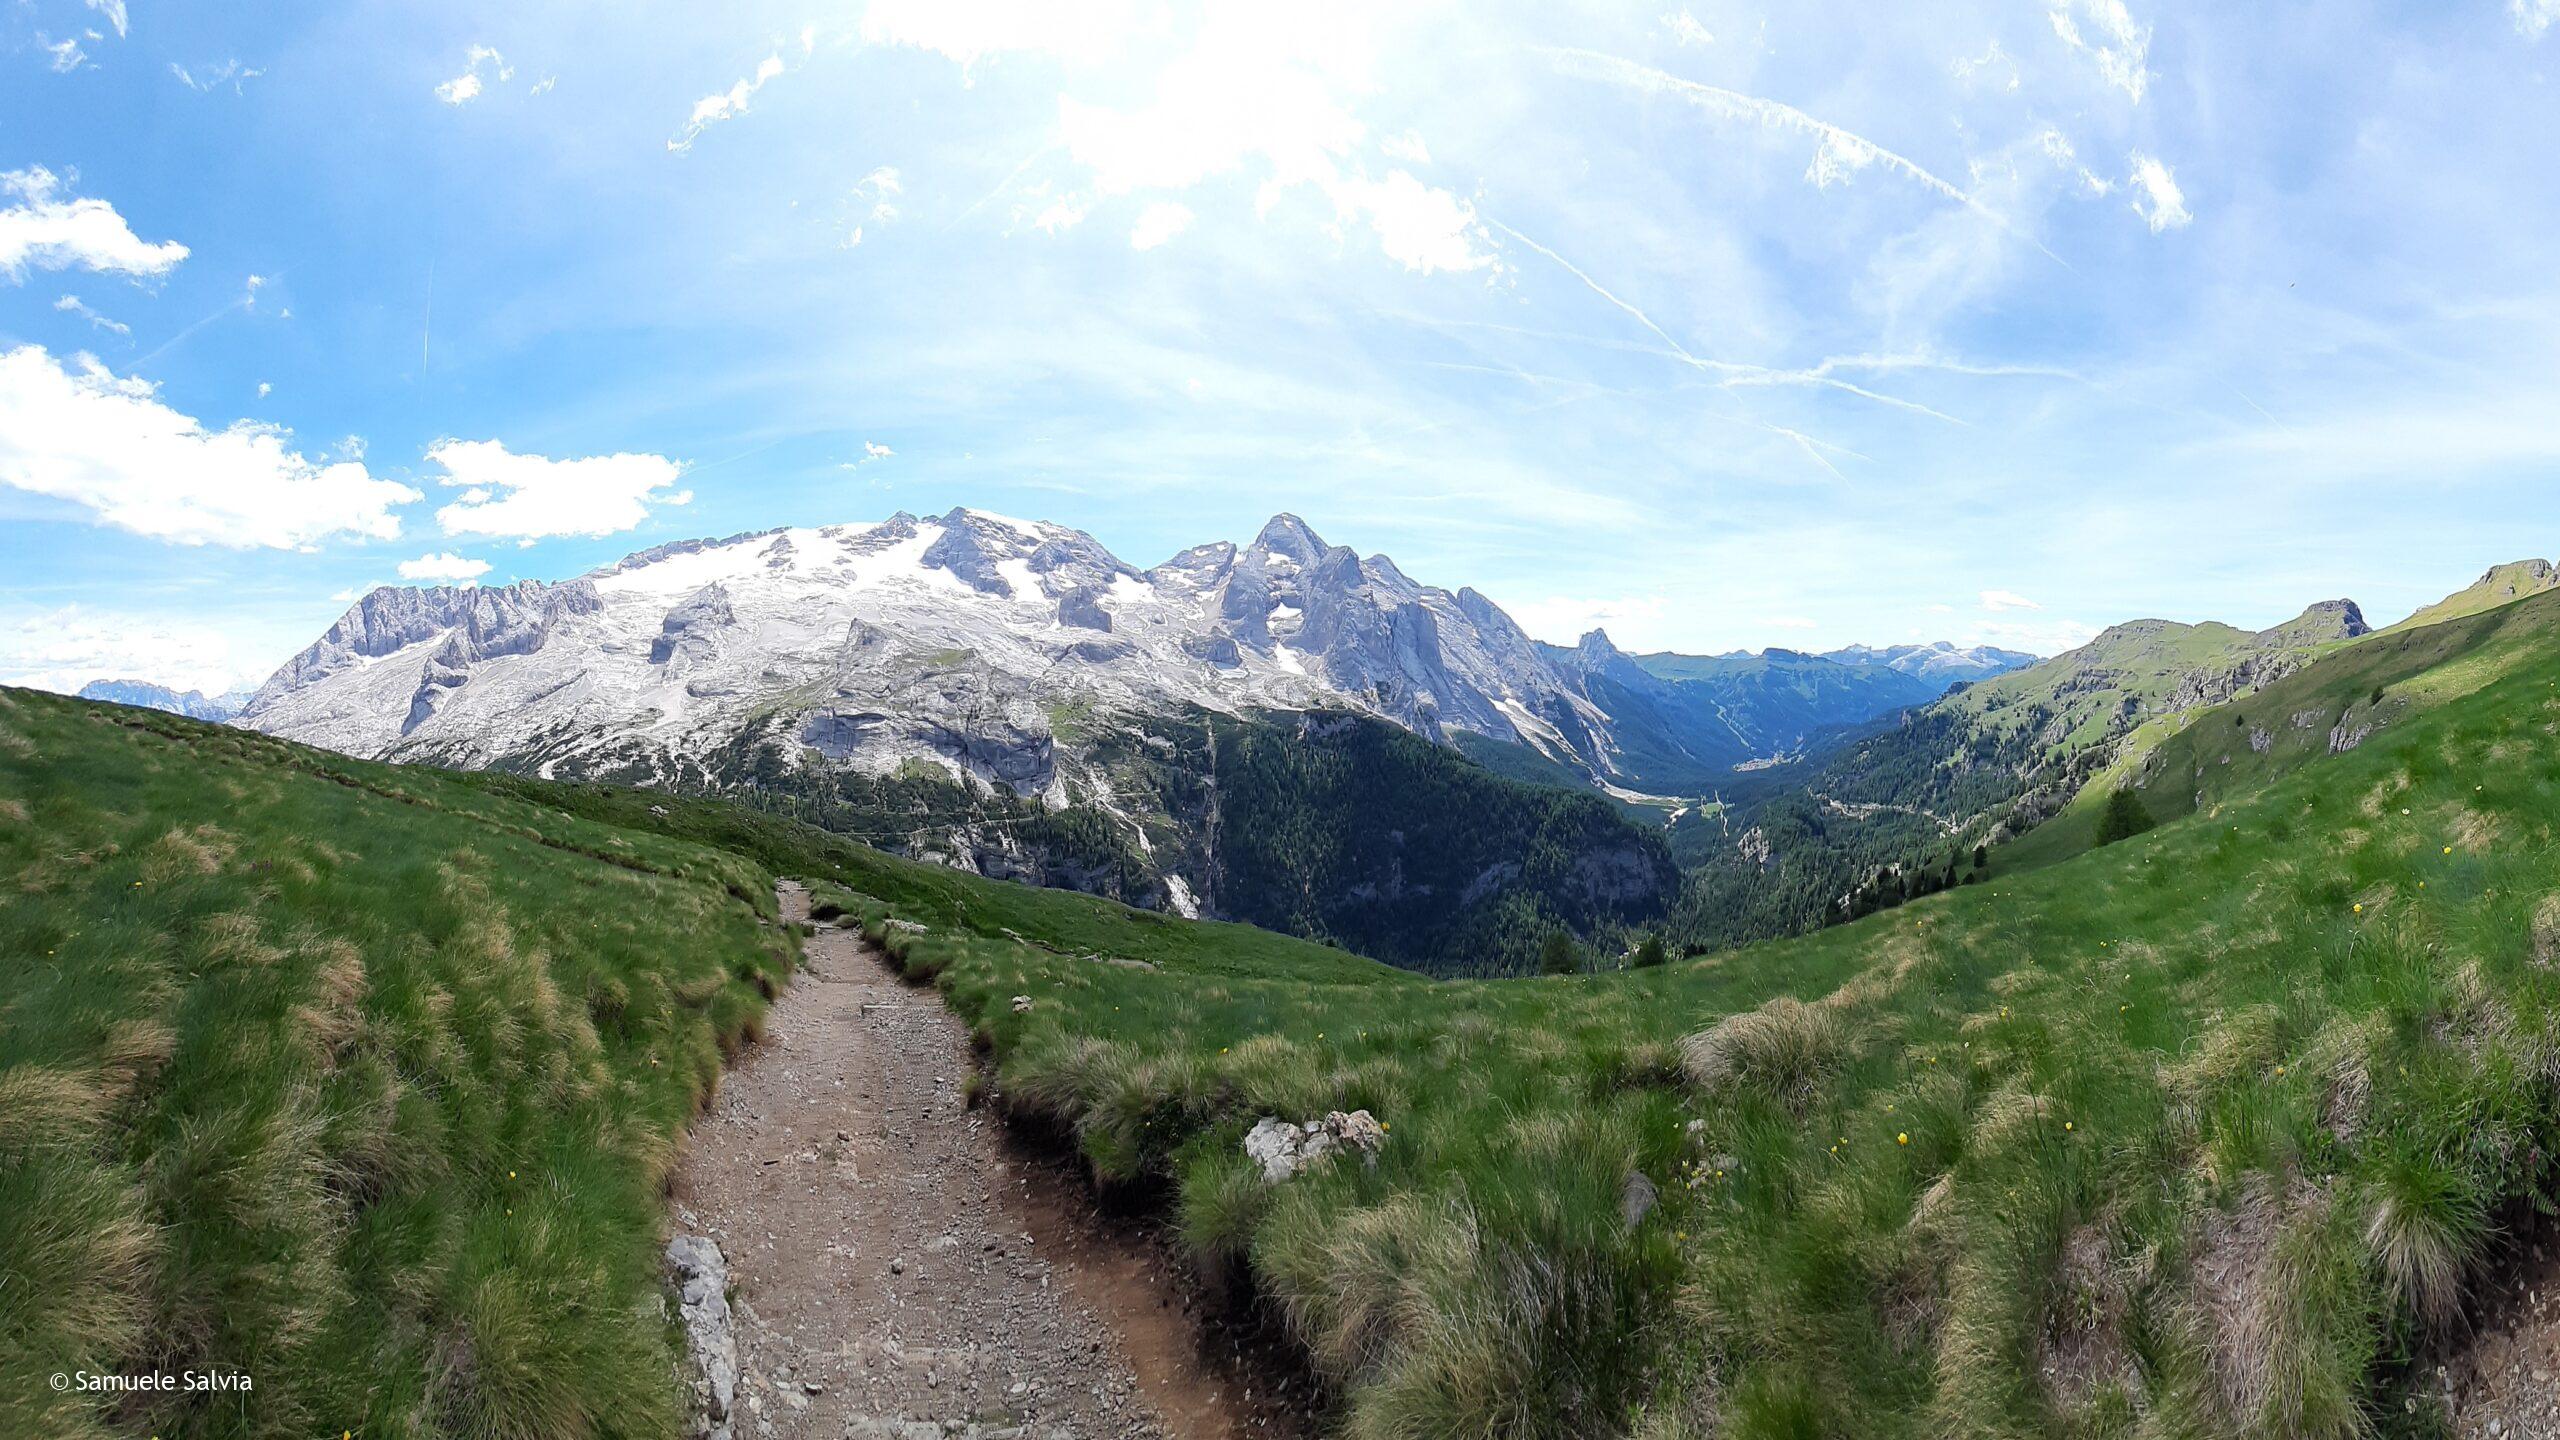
(1286,534)
(2326,621)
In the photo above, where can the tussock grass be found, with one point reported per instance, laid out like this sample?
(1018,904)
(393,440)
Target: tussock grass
(2172,1140)
(361,1081)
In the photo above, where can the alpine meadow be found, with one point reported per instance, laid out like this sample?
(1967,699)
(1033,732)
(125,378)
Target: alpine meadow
(953,720)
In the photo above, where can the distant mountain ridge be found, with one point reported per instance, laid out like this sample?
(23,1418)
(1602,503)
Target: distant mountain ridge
(194,704)
(1862,825)
(950,641)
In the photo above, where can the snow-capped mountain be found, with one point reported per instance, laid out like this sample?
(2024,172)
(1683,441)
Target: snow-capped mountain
(960,641)
(1940,662)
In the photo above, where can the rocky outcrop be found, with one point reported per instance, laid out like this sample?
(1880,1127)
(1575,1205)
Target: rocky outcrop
(692,629)
(480,621)
(711,1339)
(1285,1149)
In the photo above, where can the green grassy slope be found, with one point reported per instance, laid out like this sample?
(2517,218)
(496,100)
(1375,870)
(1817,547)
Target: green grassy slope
(1858,827)
(2198,1135)
(2202,758)
(358,1080)
(2501,585)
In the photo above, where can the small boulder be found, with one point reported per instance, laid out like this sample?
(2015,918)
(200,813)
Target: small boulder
(702,1278)
(1021,1004)
(1635,1199)
(1284,1148)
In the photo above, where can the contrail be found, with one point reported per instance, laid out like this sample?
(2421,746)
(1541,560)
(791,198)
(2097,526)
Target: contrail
(1001,186)
(1734,105)
(172,342)
(1733,373)
(1596,288)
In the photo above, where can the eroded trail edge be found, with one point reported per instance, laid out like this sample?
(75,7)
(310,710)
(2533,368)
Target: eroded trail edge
(895,1270)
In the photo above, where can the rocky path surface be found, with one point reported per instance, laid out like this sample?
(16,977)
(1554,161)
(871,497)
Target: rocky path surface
(894,1272)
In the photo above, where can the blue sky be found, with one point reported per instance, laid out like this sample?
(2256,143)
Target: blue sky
(1719,324)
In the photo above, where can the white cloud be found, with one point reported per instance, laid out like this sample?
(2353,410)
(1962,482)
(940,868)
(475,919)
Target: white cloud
(2534,17)
(73,305)
(1427,229)
(1255,89)
(445,566)
(1683,27)
(880,191)
(710,110)
(52,233)
(2158,201)
(1159,222)
(233,74)
(543,85)
(2122,48)
(533,497)
(265,390)
(64,649)
(2057,147)
(465,87)
(82,434)
(1059,215)
(874,450)
(2007,600)
(1992,67)
(63,57)
(115,13)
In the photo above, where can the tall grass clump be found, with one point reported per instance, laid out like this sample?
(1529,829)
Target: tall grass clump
(361,1083)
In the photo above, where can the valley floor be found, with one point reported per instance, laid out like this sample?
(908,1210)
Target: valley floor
(897,1270)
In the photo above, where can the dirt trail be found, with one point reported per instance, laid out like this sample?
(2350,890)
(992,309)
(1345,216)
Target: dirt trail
(2503,1383)
(900,1273)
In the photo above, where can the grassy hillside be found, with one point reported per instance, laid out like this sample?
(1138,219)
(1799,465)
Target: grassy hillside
(2202,758)
(1881,817)
(2500,585)
(359,1081)
(2203,1134)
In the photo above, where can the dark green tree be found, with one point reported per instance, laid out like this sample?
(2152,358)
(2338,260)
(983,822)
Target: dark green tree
(1650,953)
(2123,818)
(1559,955)
(1981,857)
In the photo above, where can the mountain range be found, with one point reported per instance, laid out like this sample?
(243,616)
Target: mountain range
(959,642)
(194,704)
(1010,697)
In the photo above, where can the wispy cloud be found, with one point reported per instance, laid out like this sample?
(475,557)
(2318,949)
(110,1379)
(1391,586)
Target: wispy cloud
(73,305)
(2534,17)
(2121,47)
(1997,600)
(710,110)
(1837,152)
(483,68)
(2157,200)
(229,72)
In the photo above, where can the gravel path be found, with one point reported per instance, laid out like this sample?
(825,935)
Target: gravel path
(897,1275)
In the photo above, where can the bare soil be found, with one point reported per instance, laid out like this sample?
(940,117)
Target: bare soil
(901,1270)
(2504,1380)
